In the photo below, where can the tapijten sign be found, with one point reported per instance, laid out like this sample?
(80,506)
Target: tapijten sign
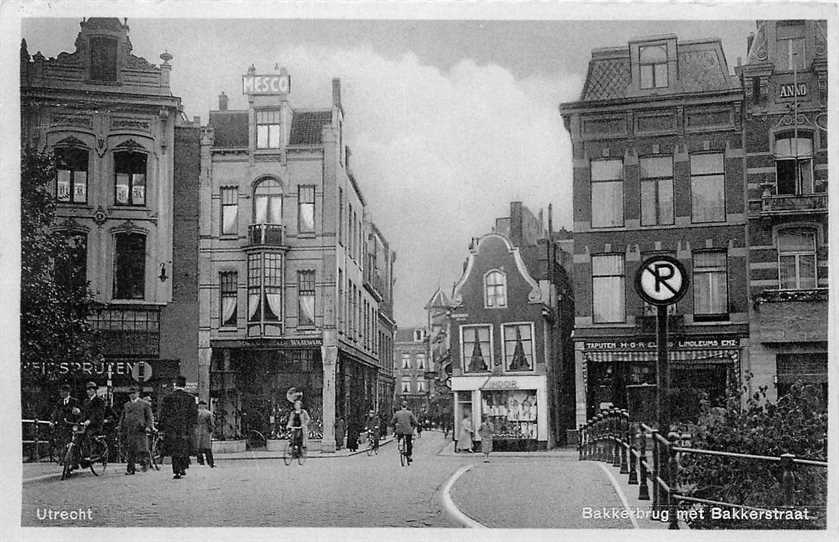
(266,84)
(650,345)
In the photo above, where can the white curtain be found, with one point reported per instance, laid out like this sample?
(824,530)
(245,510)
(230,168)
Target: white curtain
(228,307)
(307,309)
(275,303)
(253,305)
(260,210)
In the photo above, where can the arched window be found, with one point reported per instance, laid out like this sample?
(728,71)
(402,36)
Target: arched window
(797,259)
(268,202)
(495,288)
(653,62)
(130,178)
(71,165)
(129,265)
(71,265)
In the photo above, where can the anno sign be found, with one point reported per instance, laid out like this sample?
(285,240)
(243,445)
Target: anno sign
(788,90)
(266,84)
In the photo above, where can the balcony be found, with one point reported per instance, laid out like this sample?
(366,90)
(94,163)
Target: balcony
(266,235)
(792,316)
(789,204)
(646,324)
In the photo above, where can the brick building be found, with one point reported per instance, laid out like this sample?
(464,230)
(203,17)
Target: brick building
(410,367)
(511,321)
(658,169)
(126,191)
(785,120)
(296,279)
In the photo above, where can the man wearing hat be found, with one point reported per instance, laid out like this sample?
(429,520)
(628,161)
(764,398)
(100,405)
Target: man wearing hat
(135,421)
(67,408)
(204,435)
(178,414)
(93,409)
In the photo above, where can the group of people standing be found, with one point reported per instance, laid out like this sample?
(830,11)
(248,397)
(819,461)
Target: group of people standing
(465,440)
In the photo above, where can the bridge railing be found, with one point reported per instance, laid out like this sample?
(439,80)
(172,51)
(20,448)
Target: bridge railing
(649,458)
(37,438)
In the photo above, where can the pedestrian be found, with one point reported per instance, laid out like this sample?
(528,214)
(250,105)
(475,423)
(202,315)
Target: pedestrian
(178,414)
(464,439)
(134,423)
(486,431)
(204,426)
(352,436)
(340,433)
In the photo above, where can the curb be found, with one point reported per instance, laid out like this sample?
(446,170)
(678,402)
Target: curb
(451,508)
(220,457)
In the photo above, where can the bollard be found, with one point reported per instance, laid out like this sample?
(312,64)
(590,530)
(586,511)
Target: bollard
(656,471)
(672,480)
(624,436)
(788,479)
(598,442)
(633,461)
(614,434)
(643,490)
(580,444)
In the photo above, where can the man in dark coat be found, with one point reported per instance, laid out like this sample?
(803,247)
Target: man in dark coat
(135,421)
(93,409)
(178,414)
(67,408)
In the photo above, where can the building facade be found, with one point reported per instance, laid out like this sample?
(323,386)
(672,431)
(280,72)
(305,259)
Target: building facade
(439,372)
(785,140)
(295,277)
(509,348)
(658,165)
(126,192)
(411,365)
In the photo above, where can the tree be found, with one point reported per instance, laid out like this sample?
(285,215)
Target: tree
(795,424)
(55,335)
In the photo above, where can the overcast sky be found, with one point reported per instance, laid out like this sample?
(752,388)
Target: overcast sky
(448,121)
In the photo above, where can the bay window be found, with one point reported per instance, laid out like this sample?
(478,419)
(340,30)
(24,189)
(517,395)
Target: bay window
(265,294)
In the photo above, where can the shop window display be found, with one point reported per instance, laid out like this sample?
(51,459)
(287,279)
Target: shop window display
(513,413)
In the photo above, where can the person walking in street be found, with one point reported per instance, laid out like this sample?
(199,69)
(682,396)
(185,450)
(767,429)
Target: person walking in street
(371,425)
(178,414)
(403,423)
(352,435)
(464,439)
(204,426)
(134,424)
(486,431)
(299,418)
(340,433)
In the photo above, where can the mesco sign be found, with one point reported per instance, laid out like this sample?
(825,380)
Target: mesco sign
(266,84)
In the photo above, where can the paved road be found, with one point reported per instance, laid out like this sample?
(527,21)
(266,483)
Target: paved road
(356,491)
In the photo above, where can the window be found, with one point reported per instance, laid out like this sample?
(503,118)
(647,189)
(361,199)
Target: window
(495,290)
(341,215)
(477,348)
(797,259)
(406,361)
(710,284)
(422,386)
(306,297)
(268,202)
(71,175)
(350,231)
(791,49)
(653,65)
(421,361)
(130,171)
(406,385)
(656,191)
(606,193)
(267,129)
(608,292)
(229,298)
(341,301)
(518,347)
(129,266)
(103,59)
(419,335)
(707,187)
(265,297)
(306,209)
(71,267)
(229,210)
(794,164)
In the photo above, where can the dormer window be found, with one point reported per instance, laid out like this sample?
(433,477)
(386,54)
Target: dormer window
(791,46)
(653,66)
(103,59)
(267,129)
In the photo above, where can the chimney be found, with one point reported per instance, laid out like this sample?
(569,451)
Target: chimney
(336,93)
(222,101)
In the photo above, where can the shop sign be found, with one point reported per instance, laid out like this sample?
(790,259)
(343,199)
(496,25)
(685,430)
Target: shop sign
(682,343)
(788,90)
(266,84)
(501,385)
(141,371)
(460,316)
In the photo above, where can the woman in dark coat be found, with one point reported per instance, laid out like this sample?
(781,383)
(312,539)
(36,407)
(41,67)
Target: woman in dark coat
(340,433)
(352,436)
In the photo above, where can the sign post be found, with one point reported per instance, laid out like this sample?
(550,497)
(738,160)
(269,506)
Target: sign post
(661,281)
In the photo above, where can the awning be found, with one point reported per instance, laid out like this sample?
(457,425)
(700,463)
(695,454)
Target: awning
(677,357)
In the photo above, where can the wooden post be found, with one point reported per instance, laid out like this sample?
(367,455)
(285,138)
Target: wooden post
(788,479)
(672,481)
(643,490)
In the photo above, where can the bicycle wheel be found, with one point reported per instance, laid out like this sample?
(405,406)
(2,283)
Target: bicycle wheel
(287,450)
(371,446)
(98,457)
(68,462)
(156,457)
(403,460)
(301,455)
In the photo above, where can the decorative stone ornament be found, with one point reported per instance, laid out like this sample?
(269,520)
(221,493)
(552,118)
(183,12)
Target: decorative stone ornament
(100,216)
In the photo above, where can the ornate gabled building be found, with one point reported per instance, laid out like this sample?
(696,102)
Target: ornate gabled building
(126,194)
(785,81)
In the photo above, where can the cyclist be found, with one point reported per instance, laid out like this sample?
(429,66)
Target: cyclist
(371,424)
(93,413)
(67,408)
(403,423)
(299,418)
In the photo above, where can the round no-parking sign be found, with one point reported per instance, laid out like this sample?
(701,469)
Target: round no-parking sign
(661,280)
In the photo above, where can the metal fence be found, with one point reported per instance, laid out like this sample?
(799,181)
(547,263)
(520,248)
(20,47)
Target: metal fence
(37,439)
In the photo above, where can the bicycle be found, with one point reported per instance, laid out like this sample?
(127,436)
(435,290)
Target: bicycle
(403,451)
(155,457)
(85,452)
(372,442)
(294,448)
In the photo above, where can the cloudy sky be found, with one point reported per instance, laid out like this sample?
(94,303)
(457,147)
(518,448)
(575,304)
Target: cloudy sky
(448,121)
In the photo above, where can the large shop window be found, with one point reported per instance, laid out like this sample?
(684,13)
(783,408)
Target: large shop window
(130,182)
(103,59)
(229,210)
(653,66)
(71,175)
(495,290)
(656,191)
(513,413)
(606,193)
(306,298)
(306,209)
(707,187)
(267,129)
(265,294)
(794,165)
(797,259)
(229,298)
(518,347)
(710,285)
(71,267)
(477,348)
(791,48)
(129,266)
(608,291)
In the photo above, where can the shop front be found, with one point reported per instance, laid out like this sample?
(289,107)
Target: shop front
(517,406)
